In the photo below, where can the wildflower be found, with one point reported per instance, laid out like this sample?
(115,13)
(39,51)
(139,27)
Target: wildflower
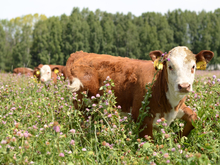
(93,105)
(173,149)
(214,76)
(164,124)
(93,97)
(218,80)
(108,78)
(72,142)
(152,163)
(26,134)
(213,82)
(107,84)
(159,120)
(166,155)
(167,135)
(56,128)
(97,95)
(84,149)
(104,143)
(110,115)
(3,122)
(3,142)
(48,153)
(195,96)
(47,143)
(162,130)
(106,103)
(109,92)
(181,124)
(168,161)
(61,154)
(62,98)
(154,154)
(179,146)
(72,131)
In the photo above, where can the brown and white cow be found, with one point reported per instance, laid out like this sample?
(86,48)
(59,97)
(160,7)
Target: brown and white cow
(45,73)
(25,71)
(130,76)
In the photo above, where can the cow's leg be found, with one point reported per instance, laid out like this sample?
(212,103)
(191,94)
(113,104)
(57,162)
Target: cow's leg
(188,116)
(148,128)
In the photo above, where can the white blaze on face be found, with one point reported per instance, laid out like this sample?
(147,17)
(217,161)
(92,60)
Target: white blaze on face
(45,73)
(181,68)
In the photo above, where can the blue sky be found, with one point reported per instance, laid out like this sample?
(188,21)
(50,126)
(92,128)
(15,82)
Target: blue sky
(17,8)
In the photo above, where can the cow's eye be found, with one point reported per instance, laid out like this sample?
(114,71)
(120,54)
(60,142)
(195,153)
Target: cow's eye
(170,68)
(193,67)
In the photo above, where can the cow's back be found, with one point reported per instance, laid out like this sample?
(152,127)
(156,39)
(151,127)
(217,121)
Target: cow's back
(129,75)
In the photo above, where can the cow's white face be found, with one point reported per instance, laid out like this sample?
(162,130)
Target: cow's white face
(181,70)
(45,73)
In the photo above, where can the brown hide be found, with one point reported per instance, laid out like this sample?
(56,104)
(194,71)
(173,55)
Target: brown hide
(25,71)
(130,77)
(53,68)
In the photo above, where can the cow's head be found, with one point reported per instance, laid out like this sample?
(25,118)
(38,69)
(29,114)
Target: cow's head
(45,73)
(181,67)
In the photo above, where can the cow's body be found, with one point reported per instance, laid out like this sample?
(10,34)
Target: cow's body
(25,71)
(130,77)
(46,73)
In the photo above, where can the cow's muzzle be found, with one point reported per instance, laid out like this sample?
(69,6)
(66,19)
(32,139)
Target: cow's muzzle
(184,87)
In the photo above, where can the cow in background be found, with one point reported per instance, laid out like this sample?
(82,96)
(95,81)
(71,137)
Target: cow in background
(25,71)
(130,76)
(46,73)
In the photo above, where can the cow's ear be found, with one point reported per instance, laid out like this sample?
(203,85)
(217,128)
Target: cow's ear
(55,70)
(36,71)
(155,54)
(204,55)
(202,58)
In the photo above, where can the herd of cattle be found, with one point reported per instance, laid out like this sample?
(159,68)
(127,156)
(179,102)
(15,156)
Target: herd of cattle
(88,71)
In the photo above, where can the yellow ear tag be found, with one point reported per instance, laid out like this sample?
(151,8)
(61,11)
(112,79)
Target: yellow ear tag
(201,65)
(38,72)
(56,71)
(158,64)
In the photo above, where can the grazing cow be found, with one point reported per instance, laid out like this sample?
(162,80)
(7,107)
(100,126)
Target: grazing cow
(25,71)
(45,73)
(130,76)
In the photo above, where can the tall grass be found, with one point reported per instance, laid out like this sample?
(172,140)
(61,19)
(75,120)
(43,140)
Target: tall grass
(39,125)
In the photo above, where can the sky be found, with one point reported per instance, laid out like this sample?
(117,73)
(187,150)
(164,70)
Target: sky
(16,8)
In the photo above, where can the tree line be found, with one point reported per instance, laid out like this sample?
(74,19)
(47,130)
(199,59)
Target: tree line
(34,39)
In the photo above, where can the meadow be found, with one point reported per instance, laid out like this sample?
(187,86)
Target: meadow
(39,125)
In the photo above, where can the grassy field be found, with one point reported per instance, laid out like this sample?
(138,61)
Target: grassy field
(39,125)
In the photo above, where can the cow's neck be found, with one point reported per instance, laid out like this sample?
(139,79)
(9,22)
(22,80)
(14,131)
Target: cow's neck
(172,97)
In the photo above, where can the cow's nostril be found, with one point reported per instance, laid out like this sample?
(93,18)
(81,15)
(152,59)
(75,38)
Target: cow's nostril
(184,87)
(179,86)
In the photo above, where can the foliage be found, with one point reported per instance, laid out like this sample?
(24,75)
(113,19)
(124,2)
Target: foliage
(34,39)
(39,125)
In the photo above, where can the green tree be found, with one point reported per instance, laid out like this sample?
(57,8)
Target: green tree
(2,49)
(108,34)
(96,35)
(76,34)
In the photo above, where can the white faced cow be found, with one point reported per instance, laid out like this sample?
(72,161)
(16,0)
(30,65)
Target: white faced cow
(88,72)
